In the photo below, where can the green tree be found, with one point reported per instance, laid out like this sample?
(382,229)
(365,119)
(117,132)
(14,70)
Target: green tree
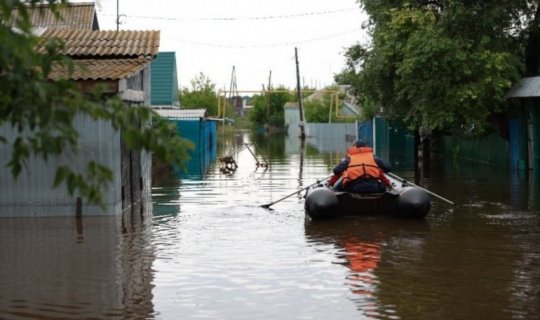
(42,111)
(443,65)
(202,94)
(268,108)
(316,111)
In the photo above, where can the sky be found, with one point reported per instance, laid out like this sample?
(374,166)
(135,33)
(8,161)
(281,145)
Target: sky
(257,38)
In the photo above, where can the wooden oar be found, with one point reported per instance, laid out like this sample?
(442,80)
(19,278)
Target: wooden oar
(267,206)
(414,185)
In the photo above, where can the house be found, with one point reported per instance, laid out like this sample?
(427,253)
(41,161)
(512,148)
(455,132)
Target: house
(524,128)
(164,79)
(120,62)
(71,16)
(348,106)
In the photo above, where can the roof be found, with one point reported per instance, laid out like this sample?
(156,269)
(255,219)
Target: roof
(318,95)
(525,88)
(349,109)
(164,80)
(290,105)
(72,16)
(182,114)
(105,44)
(94,69)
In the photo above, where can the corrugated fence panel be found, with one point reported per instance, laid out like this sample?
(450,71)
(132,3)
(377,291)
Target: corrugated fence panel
(365,131)
(401,146)
(331,137)
(492,150)
(32,194)
(381,143)
(203,134)
(518,144)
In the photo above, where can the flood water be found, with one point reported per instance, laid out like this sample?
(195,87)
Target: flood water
(207,250)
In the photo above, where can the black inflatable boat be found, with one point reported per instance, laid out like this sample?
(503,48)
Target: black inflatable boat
(402,200)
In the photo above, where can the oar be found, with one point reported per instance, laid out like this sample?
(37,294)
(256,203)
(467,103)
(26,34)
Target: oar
(267,206)
(412,184)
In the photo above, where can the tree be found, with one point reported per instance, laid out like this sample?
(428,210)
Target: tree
(42,111)
(440,65)
(201,95)
(316,111)
(320,108)
(268,108)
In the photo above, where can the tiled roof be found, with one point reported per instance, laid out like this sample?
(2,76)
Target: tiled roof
(182,114)
(105,44)
(72,16)
(94,69)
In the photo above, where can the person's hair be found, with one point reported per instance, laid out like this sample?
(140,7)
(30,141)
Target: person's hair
(359,143)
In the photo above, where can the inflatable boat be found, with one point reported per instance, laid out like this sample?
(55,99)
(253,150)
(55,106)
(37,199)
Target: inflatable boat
(403,199)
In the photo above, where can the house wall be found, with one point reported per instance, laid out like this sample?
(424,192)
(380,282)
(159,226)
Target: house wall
(164,80)
(32,194)
(136,166)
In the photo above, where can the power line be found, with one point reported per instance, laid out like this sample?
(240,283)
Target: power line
(283,44)
(294,15)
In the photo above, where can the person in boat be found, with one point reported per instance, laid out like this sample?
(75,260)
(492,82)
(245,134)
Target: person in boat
(361,171)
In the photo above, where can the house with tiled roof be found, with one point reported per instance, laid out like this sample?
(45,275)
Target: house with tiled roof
(119,62)
(80,15)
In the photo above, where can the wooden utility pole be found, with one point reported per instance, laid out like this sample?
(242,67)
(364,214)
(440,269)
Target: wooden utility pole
(117,15)
(268,96)
(299,93)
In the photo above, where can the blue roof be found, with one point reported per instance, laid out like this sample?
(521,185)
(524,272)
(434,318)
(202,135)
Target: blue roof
(164,80)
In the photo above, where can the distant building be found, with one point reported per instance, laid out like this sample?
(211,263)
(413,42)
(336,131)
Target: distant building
(164,81)
(347,107)
(195,126)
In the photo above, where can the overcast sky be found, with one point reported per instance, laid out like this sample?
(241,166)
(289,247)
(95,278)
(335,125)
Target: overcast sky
(212,36)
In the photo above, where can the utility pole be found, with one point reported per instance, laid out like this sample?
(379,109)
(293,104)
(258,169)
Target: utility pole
(117,15)
(233,92)
(299,93)
(268,96)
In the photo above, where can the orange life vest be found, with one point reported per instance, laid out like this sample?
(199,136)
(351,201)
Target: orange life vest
(362,165)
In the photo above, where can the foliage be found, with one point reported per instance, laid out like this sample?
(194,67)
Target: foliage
(42,111)
(439,64)
(268,108)
(320,107)
(316,111)
(201,95)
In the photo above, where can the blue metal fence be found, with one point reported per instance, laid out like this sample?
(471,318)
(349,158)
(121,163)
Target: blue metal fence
(203,134)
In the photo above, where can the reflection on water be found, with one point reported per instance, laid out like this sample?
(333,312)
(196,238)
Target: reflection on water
(58,268)
(362,246)
(211,252)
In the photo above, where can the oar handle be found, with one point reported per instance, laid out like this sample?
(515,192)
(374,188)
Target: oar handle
(287,196)
(412,184)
